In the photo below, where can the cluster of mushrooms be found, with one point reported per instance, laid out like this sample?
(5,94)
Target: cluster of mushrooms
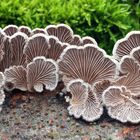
(36,60)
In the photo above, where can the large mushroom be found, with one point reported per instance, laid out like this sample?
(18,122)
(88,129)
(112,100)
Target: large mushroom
(92,65)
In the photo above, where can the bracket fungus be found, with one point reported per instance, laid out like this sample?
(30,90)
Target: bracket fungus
(15,77)
(92,65)
(122,99)
(18,41)
(77,40)
(10,30)
(125,45)
(121,105)
(37,45)
(39,30)
(62,31)
(41,72)
(26,30)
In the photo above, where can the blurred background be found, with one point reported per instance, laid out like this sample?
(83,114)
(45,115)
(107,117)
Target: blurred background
(104,20)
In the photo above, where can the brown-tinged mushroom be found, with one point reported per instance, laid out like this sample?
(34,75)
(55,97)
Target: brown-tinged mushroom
(18,41)
(10,30)
(77,40)
(37,45)
(38,30)
(42,72)
(121,105)
(26,30)
(63,32)
(15,77)
(124,46)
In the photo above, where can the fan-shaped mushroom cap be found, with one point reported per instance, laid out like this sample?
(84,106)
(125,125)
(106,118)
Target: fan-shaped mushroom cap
(10,30)
(63,32)
(124,46)
(84,102)
(39,30)
(93,109)
(18,41)
(26,30)
(135,53)
(2,98)
(99,87)
(89,63)
(56,48)
(77,40)
(132,79)
(7,57)
(41,72)
(15,77)
(121,105)
(37,45)
(79,92)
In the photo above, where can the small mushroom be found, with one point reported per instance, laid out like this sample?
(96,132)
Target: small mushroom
(18,41)
(124,46)
(63,32)
(10,30)
(37,45)
(15,77)
(56,48)
(2,98)
(26,30)
(42,72)
(39,30)
(79,92)
(121,105)
(77,40)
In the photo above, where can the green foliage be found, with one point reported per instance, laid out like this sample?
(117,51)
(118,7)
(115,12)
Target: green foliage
(105,20)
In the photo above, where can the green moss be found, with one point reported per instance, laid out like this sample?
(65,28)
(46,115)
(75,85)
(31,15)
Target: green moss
(105,20)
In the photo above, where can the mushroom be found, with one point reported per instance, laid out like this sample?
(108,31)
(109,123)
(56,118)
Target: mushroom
(26,30)
(88,62)
(121,105)
(92,65)
(124,46)
(18,41)
(79,91)
(56,48)
(7,55)
(39,30)
(63,32)
(77,40)
(42,72)
(10,30)
(15,77)
(37,45)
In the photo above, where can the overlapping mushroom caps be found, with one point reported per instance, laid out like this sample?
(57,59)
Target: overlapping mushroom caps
(122,99)
(92,65)
(124,46)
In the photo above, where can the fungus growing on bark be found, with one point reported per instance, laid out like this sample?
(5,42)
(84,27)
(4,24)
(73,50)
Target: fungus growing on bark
(37,45)
(2,36)
(56,48)
(124,46)
(92,65)
(15,77)
(63,32)
(26,30)
(10,30)
(89,63)
(42,72)
(18,41)
(121,105)
(84,102)
(2,98)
